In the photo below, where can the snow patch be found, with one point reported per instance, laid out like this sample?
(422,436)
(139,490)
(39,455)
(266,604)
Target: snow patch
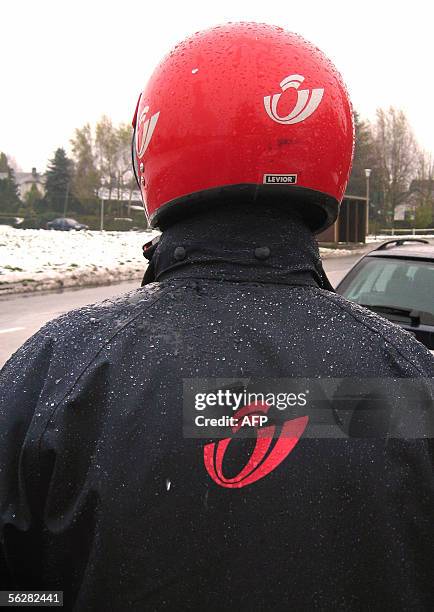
(35,260)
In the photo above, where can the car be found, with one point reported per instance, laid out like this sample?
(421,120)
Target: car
(64,224)
(396,280)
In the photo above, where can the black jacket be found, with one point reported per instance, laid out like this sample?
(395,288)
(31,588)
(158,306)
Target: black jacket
(104,496)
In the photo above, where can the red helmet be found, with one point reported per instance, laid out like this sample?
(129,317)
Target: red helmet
(243,111)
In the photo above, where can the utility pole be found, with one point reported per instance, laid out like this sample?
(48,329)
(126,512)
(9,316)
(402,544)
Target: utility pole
(65,203)
(367,174)
(101,195)
(102,214)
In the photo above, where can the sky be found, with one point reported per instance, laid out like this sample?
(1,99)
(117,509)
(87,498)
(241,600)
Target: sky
(67,63)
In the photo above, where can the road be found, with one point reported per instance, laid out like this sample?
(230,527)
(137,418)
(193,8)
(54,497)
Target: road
(22,315)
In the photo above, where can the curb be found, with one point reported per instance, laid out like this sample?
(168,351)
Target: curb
(72,281)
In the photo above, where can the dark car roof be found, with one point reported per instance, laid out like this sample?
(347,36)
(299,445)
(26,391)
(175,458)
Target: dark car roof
(405,249)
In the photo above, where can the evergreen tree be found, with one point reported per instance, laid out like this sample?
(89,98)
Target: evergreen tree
(58,182)
(364,156)
(9,199)
(31,201)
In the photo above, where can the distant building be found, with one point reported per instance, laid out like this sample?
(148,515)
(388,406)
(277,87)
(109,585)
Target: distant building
(423,186)
(25,180)
(419,189)
(121,195)
(401,211)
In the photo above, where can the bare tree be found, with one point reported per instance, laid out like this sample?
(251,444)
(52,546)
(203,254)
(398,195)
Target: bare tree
(123,160)
(103,155)
(397,153)
(106,144)
(87,176)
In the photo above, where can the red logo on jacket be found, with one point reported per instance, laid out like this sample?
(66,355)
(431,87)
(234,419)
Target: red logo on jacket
(265,456)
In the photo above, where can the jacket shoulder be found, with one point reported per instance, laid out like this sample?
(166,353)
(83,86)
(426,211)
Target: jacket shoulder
(73,337)
(395,341)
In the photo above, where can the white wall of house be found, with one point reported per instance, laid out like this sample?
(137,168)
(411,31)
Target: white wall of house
(25,180)
(25,187)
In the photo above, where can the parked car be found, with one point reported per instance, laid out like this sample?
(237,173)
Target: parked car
(64,224)
(396,280)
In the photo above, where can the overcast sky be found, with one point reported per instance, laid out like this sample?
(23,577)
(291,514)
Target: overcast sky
(66,63)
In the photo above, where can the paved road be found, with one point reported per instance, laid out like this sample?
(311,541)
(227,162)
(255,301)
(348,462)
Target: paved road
(21,316)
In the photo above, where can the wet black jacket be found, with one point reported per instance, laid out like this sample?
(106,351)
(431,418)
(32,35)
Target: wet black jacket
(103,497)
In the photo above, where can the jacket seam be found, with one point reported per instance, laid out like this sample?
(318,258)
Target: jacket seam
(308,283)
(90,362)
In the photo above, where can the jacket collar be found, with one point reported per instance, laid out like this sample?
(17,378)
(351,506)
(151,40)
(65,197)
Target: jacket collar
(236,243)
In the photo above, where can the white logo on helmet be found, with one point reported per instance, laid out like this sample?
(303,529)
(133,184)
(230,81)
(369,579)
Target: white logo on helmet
(146,131)
(304,106)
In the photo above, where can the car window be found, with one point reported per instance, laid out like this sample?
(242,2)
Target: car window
(392,282)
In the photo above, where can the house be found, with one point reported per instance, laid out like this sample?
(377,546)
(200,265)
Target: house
(25,180)
(425,187)
(400,212)
(419,191)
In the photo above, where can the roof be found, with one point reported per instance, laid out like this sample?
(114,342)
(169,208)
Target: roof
(27,177)
(408,249)
(422,185)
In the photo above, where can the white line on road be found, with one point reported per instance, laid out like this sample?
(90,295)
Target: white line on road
(10,329)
